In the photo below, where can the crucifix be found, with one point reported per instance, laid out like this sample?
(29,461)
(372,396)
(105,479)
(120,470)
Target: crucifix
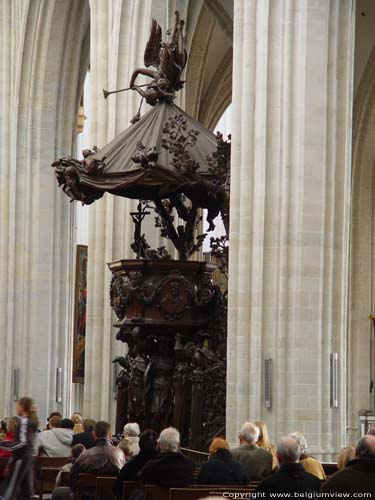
(138,217)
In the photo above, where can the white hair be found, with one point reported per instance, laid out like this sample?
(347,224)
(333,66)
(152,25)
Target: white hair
(288,449)
(301,440)
(131,429)
(169,440)
(249,432)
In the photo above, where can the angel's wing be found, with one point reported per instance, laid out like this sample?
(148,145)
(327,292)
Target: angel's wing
(151,56)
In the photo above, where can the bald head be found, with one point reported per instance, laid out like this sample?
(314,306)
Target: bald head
(366,447)
(288,450)
(249,433)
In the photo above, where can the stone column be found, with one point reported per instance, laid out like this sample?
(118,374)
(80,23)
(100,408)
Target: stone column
(41,73)
(361,340)
(291,159)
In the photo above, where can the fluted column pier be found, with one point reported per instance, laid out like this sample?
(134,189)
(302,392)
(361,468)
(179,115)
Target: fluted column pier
(291,160)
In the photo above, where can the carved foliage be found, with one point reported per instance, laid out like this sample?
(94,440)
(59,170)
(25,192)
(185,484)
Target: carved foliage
(177,139)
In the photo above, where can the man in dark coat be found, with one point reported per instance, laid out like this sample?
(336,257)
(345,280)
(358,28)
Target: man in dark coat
(148,446)
(257,462)
(102,459)
(222,469)
(291,476)
(170,468)
(359,474)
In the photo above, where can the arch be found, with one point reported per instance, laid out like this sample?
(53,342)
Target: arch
(209,71)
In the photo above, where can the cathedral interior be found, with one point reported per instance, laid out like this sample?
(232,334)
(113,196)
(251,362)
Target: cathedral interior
(272,318)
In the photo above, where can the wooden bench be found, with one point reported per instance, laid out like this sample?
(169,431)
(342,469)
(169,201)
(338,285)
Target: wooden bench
(104,487)
(46,470)
(196,492)
(85,482)
(128,487)
(47,481)
(153,492)
(329,468)
(64,476)
(3,464)
(192,493)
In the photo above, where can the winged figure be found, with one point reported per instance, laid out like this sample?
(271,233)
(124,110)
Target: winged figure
(169,60)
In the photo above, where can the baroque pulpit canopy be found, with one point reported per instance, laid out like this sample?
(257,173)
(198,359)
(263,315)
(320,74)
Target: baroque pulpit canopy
(143,162)
(166,157)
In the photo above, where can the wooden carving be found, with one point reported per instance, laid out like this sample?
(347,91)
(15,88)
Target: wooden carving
(169,60)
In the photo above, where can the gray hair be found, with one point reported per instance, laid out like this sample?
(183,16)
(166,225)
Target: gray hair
(366,447)
(301,440)
(132,429)
(249,432)
(288,450)
(169,440)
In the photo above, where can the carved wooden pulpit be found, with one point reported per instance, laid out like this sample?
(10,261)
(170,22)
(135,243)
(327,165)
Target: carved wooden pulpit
(169,312)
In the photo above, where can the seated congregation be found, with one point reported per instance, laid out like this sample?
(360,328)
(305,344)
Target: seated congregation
(135,460)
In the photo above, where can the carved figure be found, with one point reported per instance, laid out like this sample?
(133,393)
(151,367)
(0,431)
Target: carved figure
(159,391)
(136,392)
(118,297)
(146,157)
(169,58)
(175,297)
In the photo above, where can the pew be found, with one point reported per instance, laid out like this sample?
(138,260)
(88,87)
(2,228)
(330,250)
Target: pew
(153,492)
(329,468)
(3,464)
(64,477)
(104,487)
(47,480)
(197,492)
(194,492)
(128,487)
(46,463)
(85,482)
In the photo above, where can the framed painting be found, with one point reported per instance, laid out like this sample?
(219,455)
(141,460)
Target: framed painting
(79,325)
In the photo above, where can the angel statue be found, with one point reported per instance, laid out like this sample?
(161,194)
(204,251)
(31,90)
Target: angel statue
(169,58)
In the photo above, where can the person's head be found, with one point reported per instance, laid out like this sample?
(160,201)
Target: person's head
(102,429)
(249,433)
(54,422)
(263,440)
(77,450)
(4,425)
(288,450)
(131,429)
(301,440)
(12,424)
(346,454)
(127,447)
(54,414)
(89,424)
(148,441)
(26,408)
(366,447)
(169,440)
(217,444)
(66,423)
(76,418)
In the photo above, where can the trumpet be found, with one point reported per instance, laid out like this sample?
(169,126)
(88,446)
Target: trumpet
(106,93)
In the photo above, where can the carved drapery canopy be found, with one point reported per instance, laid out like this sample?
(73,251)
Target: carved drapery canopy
(139,163)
